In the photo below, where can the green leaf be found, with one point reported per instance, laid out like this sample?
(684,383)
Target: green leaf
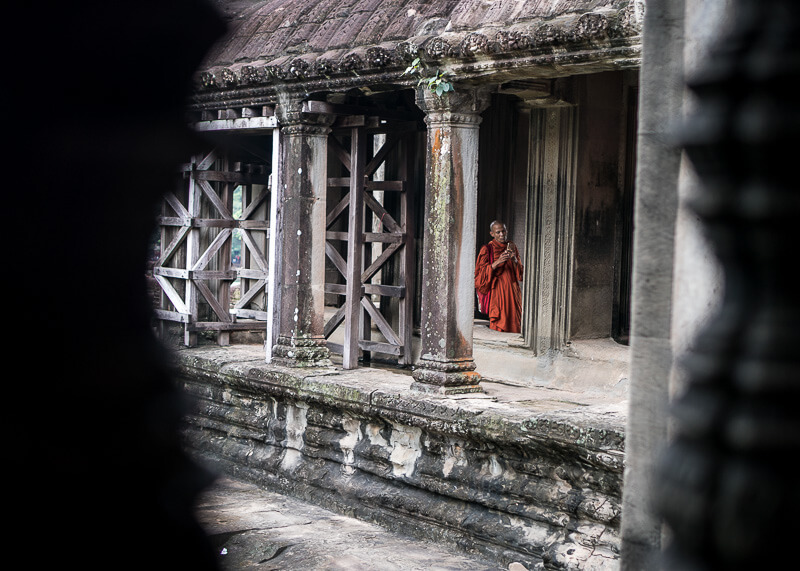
(440,89)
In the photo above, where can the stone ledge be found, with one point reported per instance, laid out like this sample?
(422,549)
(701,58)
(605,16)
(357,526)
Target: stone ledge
(509,481)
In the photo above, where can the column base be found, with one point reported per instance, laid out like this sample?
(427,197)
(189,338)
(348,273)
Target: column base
(291,352)
(446,378)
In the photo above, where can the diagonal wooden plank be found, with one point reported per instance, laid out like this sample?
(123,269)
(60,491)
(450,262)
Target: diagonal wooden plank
(215,199)
(380,156)
(207,161)
(258,255)
(379,261)
(255,203)
(381,322)
(172,294)
(221,312)
(177,240)
(337,259)
(212,249)
(380,212)
(339,150)
(257,288)
(337,210)
(334,321)
(172,200)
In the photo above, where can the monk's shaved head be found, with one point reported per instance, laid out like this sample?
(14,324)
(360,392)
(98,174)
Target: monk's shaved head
(495,223)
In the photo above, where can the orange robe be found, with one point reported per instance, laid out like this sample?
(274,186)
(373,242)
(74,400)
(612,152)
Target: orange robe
(505,306)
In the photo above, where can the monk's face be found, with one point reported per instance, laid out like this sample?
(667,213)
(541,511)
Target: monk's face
(499,232)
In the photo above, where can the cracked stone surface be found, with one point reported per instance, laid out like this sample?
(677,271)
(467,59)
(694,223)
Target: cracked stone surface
(252,528)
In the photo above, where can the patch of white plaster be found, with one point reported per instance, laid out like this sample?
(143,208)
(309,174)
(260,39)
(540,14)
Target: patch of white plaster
(537,534)
(296,423)
(299,232)
(375,437)
(300,171)
(406,449)
(348,443)
(454,456)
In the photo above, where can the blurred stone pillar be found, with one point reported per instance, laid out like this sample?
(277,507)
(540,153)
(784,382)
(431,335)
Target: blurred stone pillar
(446,365)
(301,235)
(727,484)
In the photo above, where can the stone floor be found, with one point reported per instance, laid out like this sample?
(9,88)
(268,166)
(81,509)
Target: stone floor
(255,529)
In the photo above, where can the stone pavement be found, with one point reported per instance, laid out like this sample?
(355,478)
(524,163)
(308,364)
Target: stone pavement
(252,528)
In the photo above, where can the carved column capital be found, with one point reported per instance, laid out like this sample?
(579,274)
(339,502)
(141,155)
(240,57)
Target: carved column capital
(294,119)
(461,107)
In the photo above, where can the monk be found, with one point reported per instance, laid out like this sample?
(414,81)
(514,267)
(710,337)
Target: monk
(498,272)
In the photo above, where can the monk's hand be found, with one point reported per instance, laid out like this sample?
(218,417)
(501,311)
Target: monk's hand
(501,259)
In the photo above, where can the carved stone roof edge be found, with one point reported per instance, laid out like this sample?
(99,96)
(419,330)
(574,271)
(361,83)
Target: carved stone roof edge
(602,28)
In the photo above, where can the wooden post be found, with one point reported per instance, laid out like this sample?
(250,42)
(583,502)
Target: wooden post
(355,248)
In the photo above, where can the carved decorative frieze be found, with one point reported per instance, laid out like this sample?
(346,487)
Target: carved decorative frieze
(474,44)
(351,62)
(548,34)
(379,57)
(505,41)
(590,27)
(298,68)
(406,51)
(438,48)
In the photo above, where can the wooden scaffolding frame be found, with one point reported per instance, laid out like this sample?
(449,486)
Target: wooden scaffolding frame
(195,269)
(358,270)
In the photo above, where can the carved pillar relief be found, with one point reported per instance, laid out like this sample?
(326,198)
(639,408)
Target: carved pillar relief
(550,216)
(446,365)
(301,236)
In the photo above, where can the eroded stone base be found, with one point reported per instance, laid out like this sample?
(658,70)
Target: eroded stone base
(515,485)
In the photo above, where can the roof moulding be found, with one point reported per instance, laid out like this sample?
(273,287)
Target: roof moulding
(603,34)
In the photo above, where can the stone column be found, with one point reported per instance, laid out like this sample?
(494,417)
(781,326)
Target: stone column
(446,365)
(301,236)
(658,166)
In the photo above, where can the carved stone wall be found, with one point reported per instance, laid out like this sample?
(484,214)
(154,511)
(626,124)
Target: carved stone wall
(541,489)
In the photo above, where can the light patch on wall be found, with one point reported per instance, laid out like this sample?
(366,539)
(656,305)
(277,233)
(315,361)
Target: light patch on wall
(454,456)
(406,449)
(347,444)
(375,437)
(296,423)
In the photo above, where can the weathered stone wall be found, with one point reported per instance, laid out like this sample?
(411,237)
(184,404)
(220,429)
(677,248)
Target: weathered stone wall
(540,489)
(597,202)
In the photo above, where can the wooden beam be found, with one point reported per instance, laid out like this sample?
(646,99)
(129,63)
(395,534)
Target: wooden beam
(337,210)
(171,315)
(337,259)
(379,347)
(212,249)
(172,294)
(358,152)
(334,321)
(379,261)
(380,321)
(380,156)
(234,177)
(209,191)
(222,312)
(258,255)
